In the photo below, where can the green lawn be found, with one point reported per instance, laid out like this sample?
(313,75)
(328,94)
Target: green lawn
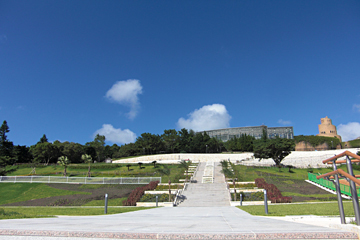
(104,170)
(111,202)
(321,209)
(38,212)
(18,192)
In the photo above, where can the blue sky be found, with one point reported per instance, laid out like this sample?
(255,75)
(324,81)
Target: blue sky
(71,69)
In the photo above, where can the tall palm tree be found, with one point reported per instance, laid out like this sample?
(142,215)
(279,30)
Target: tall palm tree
(63,161)
(87,159)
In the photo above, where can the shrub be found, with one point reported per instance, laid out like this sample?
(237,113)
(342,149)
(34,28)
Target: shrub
(248,196)
(152,197)
(137,193)
(95,166)
(273,193)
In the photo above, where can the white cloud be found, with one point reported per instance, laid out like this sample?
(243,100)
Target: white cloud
(283,122)
(356,107)
(349,131)
(126,93)
(116,135)
(206,118)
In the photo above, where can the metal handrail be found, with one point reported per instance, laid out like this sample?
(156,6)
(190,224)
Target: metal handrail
(343,173)
(346,153)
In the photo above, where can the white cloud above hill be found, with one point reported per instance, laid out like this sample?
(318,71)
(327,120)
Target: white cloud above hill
(116,135)
(349,131)
(126,93)
(208,117)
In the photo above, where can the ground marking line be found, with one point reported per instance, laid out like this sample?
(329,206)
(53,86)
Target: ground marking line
(227,222)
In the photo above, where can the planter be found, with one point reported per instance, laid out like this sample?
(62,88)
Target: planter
(153,204)
(248,203)
(173,191)
(245,190)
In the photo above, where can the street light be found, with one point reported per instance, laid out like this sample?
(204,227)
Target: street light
(206,148)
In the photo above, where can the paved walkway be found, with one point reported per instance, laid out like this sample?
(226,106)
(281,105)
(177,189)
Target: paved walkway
(205,214)
(171,223)
(200,194)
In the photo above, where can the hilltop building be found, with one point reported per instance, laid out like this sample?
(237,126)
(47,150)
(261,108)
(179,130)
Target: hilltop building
(257,131)
(326,129)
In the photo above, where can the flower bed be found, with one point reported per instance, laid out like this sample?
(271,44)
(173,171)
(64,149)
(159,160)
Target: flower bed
(137,193)
(273,192)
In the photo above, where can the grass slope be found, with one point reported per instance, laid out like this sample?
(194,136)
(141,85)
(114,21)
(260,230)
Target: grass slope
(19,192)
(39,212)
(321,209)
(104,170)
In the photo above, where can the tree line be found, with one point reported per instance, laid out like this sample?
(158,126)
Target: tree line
(171,141)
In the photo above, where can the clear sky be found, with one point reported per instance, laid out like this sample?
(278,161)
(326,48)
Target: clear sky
(71,69)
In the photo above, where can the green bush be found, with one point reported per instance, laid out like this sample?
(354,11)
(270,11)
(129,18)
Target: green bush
(317,140)
(246,185)
(166,187)
(152,197)
(248,196)
(354,143)
(31,165)
(95,166)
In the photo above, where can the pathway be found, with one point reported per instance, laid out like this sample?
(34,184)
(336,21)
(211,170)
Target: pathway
(169,223)
(200,194)
(205,214)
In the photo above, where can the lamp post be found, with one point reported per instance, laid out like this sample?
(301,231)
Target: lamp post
(206,148)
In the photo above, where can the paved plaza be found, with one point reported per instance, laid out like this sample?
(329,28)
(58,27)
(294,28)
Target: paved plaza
(205,214)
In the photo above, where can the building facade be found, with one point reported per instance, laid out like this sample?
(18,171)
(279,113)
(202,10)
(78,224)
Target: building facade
(327,129)
(256,132)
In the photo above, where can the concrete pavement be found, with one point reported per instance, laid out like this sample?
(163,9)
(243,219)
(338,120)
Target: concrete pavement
(171,223)
(205,214)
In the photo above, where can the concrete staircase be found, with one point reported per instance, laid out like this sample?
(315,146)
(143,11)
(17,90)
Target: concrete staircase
(207,194)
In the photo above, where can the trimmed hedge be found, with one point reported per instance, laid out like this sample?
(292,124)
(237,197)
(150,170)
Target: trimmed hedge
(138,192)
(152,197)
(273,193)
(248,196)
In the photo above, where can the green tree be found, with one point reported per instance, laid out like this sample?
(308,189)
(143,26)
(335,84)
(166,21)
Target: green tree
(43,139)
(87,159)
(64,161)
(6,151)
(264,136)
(277,149)
(185,139)
(148,143)
(45,152)
(22,154)
(170,138)
(99,145)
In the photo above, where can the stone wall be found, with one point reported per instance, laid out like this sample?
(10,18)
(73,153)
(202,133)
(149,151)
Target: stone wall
(300,159)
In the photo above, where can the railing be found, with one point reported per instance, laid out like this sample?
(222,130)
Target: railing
(78,180)
(330,185)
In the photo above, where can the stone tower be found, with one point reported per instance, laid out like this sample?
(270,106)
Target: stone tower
(326,129)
